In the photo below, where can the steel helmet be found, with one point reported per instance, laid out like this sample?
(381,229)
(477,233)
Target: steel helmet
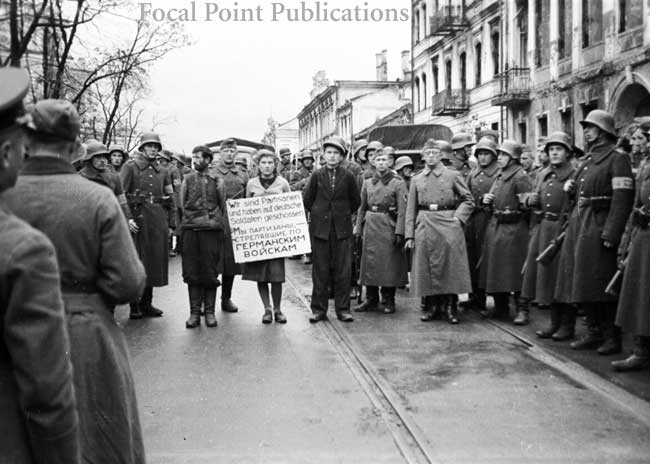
(486,143)
(374,145)
(390,151)
(119,149)
(559,138)
(445,149)
(306,154)
(149,137)
(241,159)
(488,133)
(359,147)
(402,162)
(461,140)
(512,148)
(94,148)
(602,120)
(336,142)
(165,154)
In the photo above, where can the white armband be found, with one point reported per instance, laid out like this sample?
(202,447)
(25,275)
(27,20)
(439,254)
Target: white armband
(622,183)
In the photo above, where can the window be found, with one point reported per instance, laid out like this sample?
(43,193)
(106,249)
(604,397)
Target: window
(463,71)
(523,133)
(495,53)
(434,75)
(592,22)
(448,74)
(522,24)
(495,126)
(564,28)
(588,108)
(424,91)
(542,46)
(567,121)
(417,94)
(424,20)
(630,14)
(416,26)
(477,56)
(542,123)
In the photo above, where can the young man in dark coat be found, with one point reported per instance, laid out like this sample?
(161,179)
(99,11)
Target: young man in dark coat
(331,196)
(39,422)
(99,270)
(149,192)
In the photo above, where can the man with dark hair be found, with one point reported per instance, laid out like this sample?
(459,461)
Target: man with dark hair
(331,197)
(39,422)
(203,203)
(99,270)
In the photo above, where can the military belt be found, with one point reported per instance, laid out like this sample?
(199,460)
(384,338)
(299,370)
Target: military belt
(597,203)
(536,217)
(382,209)
(507,216)
(436,207)
(641,219)
(553,217)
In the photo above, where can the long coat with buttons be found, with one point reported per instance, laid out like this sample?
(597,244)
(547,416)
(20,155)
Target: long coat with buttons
(234,182)
(142,181)
(633,314)
(539,279)
(586,266)
(382,263)
(506,244)
(440,263)
(479,182)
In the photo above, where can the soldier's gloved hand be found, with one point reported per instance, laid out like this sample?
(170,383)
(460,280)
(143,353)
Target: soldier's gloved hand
(568,185)
(398,240)
(533,199)
(409,245)
(133,226)
(608,244)
(488,198)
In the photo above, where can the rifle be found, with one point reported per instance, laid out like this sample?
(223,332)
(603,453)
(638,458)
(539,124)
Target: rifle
(546,257)
(614,286)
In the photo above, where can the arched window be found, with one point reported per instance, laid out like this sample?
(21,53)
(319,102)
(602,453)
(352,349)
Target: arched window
(448,74)
(478,52)
(434,75)
(424,91)
(416,26)
(424,20)
(496,65)
(417,94)
(463,71)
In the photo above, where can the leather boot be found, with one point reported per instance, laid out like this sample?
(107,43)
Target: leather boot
(148,309)
(372,301)
(135,312)
(480,298)
(556,320)
(451,309)
(423,303)
(388,295)
(209,302)
(432,308)
(196,297)
(638,360)
(594,337)
(607,316)
(226,292)
(567,328)
(523,310)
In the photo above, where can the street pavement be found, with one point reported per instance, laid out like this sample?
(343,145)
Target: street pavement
(246,392)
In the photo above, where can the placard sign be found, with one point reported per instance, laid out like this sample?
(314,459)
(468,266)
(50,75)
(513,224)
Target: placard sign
(271,226)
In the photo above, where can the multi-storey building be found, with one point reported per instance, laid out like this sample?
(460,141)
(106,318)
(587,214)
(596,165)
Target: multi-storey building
(529,67)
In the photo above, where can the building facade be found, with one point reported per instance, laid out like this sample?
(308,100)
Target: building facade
(529,67)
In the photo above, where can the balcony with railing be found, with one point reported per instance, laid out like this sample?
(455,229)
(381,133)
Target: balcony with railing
(513,87)
(450,102)
(450,18)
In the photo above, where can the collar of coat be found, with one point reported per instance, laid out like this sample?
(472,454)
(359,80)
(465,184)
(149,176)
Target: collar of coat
(89,172)
(562,173)
(223,169)
(510,171)
(489,171)
(370,172)
(437,171)
(600,151)
(141,161)
(385,179)
(44,165)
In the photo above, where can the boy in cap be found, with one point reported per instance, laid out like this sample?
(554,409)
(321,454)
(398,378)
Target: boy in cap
(99,270)
(39,421)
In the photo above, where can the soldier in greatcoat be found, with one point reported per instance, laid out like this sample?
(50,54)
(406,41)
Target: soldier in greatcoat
(603,190)
(39,421)
(506,237)
(462,144)
(203,201)
(369,170)
(117,157)
(404,168)
(358,156)
(285,166)
(552,201)
(149,192)
(380,220)
(99,269)
(234,182)
(165,158)
(633,315)
(438,206)
(479,183)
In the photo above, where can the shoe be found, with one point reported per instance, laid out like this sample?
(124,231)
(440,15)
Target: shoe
(135,312)
(611,346)
(152,311)
(488,313)
(279,316)
(452,313)
(366,306)
(344,316)
(563,334)
(317,317)
(590,341)
(634,362)
(556,322)
(193,321)
(210,320)
(522,318)
(228,306)
(389,307)
(354,293)
(429,317)
(268,316)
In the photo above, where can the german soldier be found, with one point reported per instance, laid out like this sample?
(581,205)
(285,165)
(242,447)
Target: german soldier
(39,422)
(301,176)
(358,157)
(632,315)
(604,193)
(149,192)
(203,202)
(117,156)
(369,170)
(506,237)
(242,163)
(479,183)
(165,158)
(285,167)
(99,270)
(461,144)
(390,152)
(234,182)
(552,202)
(381,221)
(439,203)
(404,168)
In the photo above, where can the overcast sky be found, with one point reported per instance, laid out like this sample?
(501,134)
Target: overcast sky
(237,74)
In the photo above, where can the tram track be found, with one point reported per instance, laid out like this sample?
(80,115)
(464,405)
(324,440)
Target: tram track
(414,447)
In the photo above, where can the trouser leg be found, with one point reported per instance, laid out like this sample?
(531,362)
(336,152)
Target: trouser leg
(320,274)
(342,268)
(612,333)
(195,294)
(594,336)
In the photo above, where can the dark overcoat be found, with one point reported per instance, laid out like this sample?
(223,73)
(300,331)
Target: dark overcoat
(506,237)
(99,269)
(300,178)
(439,202)
(603,193)
(381,216)
(633,314)
(149,192)
(539,279)
(111,179)
(38,422)
(234,183)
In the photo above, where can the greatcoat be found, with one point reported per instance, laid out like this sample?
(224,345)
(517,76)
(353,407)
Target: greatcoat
(539,279)
(603,193)
(149,192)
(506,237)
(110,179)
(39,422)
(99,269)
(438,204)
(380,217)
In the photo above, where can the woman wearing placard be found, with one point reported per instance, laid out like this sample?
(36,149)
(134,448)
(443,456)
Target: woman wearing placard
(268,271)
